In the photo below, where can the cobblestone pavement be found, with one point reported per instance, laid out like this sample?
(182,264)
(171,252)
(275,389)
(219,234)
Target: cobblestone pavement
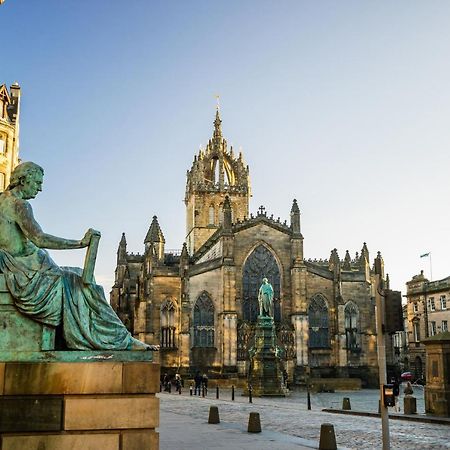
(289,417)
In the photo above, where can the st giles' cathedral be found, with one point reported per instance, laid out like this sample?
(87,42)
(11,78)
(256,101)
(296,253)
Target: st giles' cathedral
(200,305)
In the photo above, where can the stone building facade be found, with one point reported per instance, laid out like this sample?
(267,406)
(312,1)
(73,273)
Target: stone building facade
(428,313)
(200,304)
(9,132)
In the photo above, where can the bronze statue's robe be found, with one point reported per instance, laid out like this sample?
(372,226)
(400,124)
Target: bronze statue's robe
(56,295)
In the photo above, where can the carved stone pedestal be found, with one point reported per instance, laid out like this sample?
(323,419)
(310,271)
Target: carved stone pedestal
(437,390)
(266,376)
(98,400)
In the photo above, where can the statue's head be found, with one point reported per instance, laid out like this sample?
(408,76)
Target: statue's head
(265,280)
(28,177)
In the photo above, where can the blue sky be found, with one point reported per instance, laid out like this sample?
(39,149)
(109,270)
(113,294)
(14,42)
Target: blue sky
(342,105)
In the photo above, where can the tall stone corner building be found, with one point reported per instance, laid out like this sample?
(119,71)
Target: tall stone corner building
(200,305)
(9,132)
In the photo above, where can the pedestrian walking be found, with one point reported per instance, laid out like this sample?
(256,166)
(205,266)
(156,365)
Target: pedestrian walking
(198,379)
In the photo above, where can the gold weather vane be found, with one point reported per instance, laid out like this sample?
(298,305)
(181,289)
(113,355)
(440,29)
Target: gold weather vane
(218,102)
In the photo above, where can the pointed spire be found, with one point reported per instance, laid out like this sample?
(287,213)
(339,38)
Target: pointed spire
(154,233)
(184,252)
(122,250)
(334,260)
(379,265)
(295,218)
(217,136)
(227,219)
(364,254)
(347,261)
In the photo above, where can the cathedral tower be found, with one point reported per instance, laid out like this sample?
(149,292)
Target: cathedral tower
(215,174)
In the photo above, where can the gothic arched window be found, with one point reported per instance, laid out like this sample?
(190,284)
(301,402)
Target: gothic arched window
(204,321)
(168,324)
(318,322)
(260,264)
(351,315)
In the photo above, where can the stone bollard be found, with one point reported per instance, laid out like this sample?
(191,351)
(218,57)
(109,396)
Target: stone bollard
(213,415)
(346,404)
(327,437)
(254,423)
(409,405)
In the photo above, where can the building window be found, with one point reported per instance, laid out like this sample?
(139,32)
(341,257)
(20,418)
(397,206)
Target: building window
(351,326)
(415,307)
(432,328)
(443,302)
(168,324)
(260,264)
(416,330)
(211,215)
(2,146)
(318,322)
(204,321)
(431,305)
(444,326)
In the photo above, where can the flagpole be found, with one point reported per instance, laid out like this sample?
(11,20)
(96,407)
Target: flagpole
(428,255)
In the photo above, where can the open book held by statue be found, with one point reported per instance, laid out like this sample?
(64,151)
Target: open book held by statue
(54,296)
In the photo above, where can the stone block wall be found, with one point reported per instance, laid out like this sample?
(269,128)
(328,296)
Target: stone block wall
(88,405)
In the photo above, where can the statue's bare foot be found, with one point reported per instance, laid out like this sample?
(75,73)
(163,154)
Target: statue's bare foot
(141,346)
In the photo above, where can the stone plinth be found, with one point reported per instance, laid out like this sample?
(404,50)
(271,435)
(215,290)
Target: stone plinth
(437,390)
(266,376)
(409,405)
(89,404)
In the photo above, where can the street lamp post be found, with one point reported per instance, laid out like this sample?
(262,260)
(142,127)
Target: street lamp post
(381,347)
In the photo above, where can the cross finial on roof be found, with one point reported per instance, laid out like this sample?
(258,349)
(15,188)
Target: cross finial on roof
(261,211)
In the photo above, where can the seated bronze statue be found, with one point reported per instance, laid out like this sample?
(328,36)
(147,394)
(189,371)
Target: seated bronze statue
(52,295)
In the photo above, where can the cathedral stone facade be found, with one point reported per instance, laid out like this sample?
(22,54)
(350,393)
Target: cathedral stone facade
(200,304)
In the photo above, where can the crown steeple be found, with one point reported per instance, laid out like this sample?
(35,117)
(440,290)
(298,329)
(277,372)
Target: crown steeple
(215,173)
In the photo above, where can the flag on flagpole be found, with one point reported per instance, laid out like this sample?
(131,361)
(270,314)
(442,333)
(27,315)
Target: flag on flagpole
(425,254)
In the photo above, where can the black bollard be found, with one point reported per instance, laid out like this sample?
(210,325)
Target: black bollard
(327,437)
(203,391)
(232,393)
(213,415)
(254,423)
(160,387)
(250,398)
(309,400)
(217,392)
(170,387)
(346,404)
